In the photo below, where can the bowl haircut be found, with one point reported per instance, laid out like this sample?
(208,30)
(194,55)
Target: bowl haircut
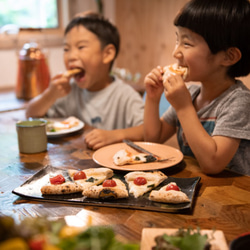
(223,24)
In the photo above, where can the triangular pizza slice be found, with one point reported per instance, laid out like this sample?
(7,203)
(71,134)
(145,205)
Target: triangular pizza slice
(91,176)
(140,182)
(169,193)
(124,157)
(110,189)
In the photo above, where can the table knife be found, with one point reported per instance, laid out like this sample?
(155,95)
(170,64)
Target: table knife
(151,157)
(138,148)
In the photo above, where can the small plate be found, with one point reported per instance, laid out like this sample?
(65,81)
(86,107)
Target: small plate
(217,237)
(64,132)
(32,189)
(104,156)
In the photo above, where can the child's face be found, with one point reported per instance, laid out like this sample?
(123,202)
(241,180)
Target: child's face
(192,51)
(82,49)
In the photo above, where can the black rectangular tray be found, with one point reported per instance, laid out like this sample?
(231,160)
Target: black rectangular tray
(31,189)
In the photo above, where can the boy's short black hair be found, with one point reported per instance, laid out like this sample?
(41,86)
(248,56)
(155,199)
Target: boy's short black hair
(223,24)
(106,32)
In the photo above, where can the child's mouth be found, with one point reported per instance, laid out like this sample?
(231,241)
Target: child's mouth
(79,76)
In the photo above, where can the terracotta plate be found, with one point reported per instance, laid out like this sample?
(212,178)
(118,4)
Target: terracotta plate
(104,156)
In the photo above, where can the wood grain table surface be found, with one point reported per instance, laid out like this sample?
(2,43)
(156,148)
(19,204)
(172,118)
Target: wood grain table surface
(221,201)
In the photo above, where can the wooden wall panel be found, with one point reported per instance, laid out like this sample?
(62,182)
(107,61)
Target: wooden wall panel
(147,33)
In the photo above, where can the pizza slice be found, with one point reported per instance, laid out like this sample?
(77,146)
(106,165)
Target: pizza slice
(110,189)
(123,157)
(59,184)
(169,193)
(55,126)
(174,69)
(71,72)
(91,176)
(140,182)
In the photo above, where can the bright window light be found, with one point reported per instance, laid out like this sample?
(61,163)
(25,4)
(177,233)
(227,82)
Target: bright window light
(29,14)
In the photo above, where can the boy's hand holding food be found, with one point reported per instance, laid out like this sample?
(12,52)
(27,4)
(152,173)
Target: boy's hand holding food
(153,83)
(175,89)
(60,86)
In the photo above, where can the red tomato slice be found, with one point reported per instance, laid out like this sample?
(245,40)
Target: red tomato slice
(109,183)
(140,181)
(56,180)
(79,175)
(172,187)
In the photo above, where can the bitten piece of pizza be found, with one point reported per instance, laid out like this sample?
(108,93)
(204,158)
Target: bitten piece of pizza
(123,157)
(140,182)
(91,176)
(71,72)
(110,189)
(169,193)
(174,69)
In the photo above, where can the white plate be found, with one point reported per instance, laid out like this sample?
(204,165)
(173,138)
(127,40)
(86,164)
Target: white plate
(64,132)
(217,237)
(104,156)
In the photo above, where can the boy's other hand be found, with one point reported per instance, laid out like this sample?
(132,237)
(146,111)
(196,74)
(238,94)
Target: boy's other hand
(98,138)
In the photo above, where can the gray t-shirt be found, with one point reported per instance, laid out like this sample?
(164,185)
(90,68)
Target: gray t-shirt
(227,115)
(117,106)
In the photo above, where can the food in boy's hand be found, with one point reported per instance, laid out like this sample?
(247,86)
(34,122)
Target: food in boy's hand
(169,193)
(110,189)
(141,182)
(71,72)
(123,157)
(174,69)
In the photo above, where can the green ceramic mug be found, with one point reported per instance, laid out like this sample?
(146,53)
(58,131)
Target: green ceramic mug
(32,137)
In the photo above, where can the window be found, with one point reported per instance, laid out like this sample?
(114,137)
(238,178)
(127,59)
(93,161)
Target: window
(27,14)
(26,20)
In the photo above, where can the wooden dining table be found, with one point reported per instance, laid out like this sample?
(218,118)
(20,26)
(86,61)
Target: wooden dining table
(221,202)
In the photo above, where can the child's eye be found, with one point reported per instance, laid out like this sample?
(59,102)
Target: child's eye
(81,47)
(187,44)
(65,49)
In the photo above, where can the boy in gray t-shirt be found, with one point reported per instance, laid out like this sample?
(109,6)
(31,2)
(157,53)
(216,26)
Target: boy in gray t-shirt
(112,107)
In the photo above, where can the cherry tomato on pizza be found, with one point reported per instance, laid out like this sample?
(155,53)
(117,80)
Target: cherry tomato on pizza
(79,175)
(139,181)
(109,183)
(171,186)
(57,180)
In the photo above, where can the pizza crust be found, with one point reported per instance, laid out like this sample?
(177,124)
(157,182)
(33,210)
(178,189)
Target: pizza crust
(65,188)
(100,192)
(154,179)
